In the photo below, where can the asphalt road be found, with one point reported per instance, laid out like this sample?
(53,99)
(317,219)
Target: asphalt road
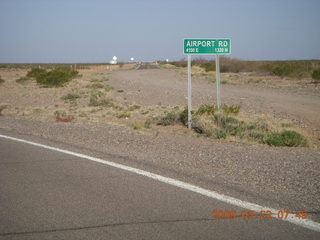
(143,66)
(50,195)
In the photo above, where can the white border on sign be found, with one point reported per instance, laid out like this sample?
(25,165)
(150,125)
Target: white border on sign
(207,53)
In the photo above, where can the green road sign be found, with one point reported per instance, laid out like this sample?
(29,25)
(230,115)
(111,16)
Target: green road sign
(206,46)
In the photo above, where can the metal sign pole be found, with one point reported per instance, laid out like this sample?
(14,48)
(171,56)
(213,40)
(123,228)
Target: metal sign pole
(189,92)
(218,81)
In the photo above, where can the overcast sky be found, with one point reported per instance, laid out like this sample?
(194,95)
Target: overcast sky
(148,30)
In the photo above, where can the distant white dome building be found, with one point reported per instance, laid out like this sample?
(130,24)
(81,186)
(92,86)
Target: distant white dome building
(114,60)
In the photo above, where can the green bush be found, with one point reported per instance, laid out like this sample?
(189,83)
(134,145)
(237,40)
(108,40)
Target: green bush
(23,79)
(98,84)
(95,85)
(224,121)
(224,82)
(284,69)
(123,115)
(286,138)
(233,109)
(96,101)
(1,80)
(107,88)
(230,68)
(148,123)
(179,63)
(257,136)
(220,125)
(71,97)
(35,72)
(220,134)
(208,66)
(133,107)
(296,69)
(183,117)
(289,69)
(55,78)
(205,109)
(169,118)
(204,125)
(231,126)
(316,74)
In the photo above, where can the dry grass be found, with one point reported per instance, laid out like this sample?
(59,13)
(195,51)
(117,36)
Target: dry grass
(228,124)
(86,99)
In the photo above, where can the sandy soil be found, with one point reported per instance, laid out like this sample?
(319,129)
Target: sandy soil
(299,103)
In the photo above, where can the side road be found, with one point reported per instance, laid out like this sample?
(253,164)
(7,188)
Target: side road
(275,177)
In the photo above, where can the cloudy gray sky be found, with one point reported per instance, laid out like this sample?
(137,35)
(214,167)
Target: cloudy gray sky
(96,30)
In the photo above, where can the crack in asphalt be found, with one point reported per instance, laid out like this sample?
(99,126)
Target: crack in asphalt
(237,217)
(103,225)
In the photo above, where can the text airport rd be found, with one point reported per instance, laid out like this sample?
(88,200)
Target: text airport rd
(207,46)
(206,43)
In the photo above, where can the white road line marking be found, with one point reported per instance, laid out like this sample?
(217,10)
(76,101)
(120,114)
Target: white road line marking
(306,223)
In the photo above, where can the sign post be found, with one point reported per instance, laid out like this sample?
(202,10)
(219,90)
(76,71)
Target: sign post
(218,81)
(205,47)
(189,92)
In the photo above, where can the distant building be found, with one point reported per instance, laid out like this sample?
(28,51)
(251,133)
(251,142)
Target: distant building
(114,60)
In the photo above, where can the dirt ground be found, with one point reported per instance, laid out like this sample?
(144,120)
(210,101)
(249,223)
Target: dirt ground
(149,92)
(294,100)
(275,176)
